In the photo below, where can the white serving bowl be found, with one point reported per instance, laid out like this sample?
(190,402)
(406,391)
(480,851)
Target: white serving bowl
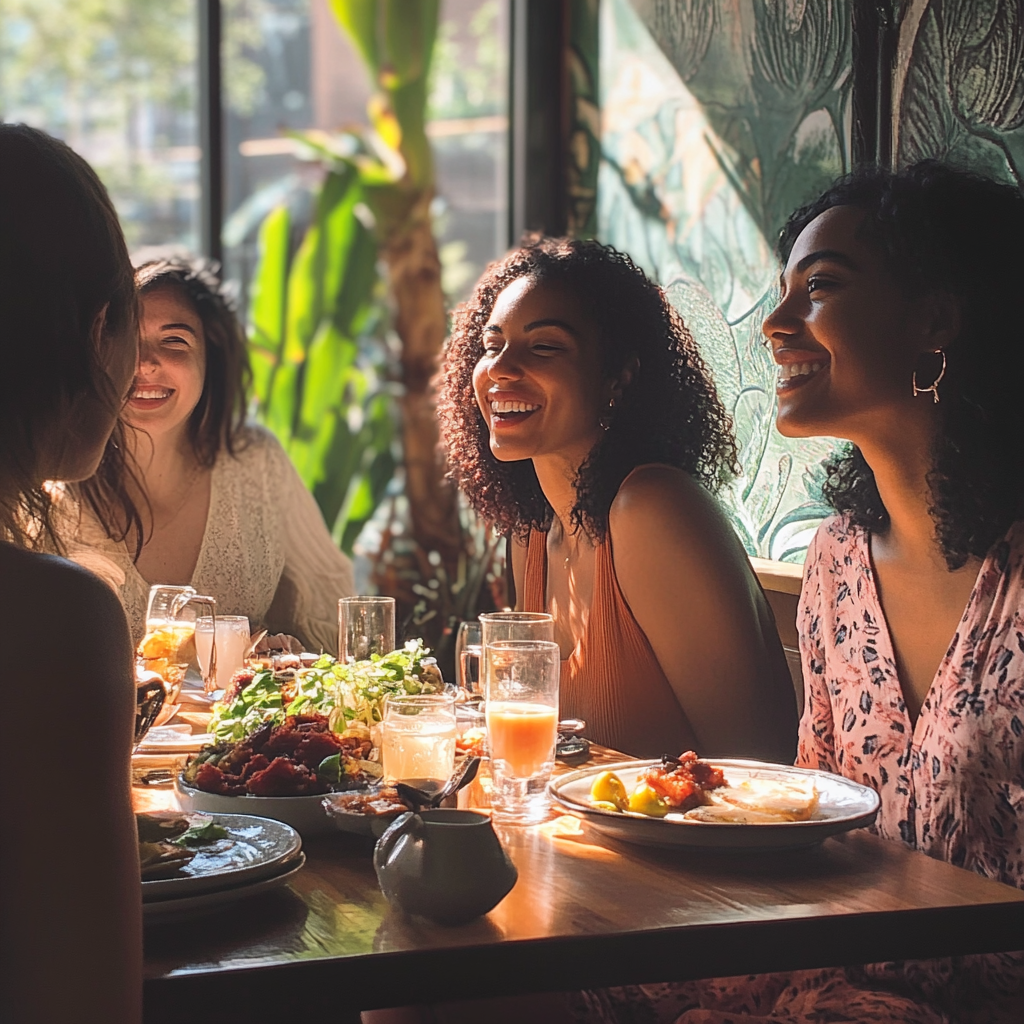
(305,814)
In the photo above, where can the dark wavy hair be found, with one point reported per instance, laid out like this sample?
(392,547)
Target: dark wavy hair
(62,260)
(219,415)
(941,229)
(670,412)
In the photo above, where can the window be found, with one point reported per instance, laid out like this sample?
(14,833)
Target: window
(118,81)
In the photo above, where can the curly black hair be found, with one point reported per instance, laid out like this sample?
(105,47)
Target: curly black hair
(941,229)
(670,413)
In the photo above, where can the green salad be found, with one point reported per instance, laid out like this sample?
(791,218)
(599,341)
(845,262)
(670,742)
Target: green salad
(346,693)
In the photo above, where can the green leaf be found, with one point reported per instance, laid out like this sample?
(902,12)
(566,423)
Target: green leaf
(359,20)
(268,308)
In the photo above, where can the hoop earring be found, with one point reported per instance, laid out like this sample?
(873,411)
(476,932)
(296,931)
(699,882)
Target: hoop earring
(932,388)
(606,418)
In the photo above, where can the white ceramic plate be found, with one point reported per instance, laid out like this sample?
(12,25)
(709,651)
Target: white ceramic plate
(305,814)
(842,805)
(254,849)
(172,740)
(158,911)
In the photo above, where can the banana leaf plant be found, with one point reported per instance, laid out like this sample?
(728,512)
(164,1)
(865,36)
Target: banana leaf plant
(316,384)
(395,39)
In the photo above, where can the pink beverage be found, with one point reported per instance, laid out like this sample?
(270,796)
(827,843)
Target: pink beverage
(521,735)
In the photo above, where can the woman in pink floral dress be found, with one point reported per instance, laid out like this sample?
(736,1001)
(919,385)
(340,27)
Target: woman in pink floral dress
(898,329)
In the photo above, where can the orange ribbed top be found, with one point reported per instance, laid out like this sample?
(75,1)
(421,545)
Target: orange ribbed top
(612,679)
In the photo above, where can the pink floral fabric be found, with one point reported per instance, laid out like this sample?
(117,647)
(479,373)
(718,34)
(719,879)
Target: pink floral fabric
(951,785)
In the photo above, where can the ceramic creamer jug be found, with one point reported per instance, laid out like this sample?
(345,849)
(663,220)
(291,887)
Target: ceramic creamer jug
(445,865)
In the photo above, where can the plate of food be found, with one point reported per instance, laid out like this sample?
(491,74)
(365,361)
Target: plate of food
(366,812)
(285,738)
(183,855)
(715,803)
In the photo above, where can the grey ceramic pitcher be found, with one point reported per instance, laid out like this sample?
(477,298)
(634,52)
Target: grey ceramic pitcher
(445,865)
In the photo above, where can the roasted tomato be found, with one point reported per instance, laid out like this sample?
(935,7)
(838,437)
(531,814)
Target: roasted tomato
(283,778)
(681,782)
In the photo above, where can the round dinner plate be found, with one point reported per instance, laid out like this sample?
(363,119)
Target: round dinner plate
(842,805)
(254,848)
(159,911)
(305,814)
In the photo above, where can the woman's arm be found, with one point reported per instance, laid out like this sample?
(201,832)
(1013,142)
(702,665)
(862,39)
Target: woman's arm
(690,587)
(316,572)
(70,920)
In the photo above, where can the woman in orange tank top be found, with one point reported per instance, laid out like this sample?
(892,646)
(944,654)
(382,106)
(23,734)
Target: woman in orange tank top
(580,419)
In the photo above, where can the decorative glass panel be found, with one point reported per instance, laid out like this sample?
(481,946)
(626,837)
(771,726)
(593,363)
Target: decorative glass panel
(718,119)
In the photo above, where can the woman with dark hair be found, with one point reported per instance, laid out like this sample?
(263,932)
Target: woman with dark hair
(225,509)
(580,419)
(68,327)
(897,330)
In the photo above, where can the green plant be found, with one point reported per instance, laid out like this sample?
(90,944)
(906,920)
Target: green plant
(316,362)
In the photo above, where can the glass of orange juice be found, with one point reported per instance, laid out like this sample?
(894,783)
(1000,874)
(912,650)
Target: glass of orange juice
(522,725)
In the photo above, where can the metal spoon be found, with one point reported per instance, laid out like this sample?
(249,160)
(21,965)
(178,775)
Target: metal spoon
(460,778)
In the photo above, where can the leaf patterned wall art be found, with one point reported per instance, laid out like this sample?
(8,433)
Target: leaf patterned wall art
(719,117)
(959,85)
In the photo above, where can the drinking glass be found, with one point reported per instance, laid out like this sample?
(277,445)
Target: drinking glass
(366,625)
(513,626)
(169,643)
(230,635)
(467,647)
(522,726)
(418,745)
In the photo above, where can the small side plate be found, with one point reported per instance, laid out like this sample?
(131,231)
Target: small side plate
(160,911)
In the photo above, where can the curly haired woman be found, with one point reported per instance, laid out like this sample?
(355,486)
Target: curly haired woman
(580,419)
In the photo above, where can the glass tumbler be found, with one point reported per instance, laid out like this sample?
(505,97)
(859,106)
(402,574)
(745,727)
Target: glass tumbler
(522,726)
(418,743)
(366,625)
(230,635)
(467,657)
(513,626)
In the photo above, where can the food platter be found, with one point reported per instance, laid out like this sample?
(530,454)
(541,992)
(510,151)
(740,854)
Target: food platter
(842,805)
(253,849)
(305,814)
(166,910)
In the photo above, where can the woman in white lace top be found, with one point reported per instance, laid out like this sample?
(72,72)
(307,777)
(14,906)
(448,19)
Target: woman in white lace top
(222,507)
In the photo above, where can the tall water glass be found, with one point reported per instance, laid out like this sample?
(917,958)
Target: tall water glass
(522,726)
(366,625)
(231,638)
(513,626)
(418,744)
(467,657)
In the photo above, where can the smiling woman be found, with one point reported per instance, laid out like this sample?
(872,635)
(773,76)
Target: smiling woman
(224,509)
(580,419)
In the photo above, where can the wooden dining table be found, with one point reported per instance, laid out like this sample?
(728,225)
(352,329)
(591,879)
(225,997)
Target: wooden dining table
(587,911)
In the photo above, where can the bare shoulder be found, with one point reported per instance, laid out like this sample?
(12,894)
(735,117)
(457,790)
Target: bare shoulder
(657,503)
(52,604)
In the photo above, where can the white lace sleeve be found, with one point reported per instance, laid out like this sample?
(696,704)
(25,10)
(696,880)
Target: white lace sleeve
(316,573)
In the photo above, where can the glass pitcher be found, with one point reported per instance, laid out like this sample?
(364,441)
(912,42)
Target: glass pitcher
(169,644)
